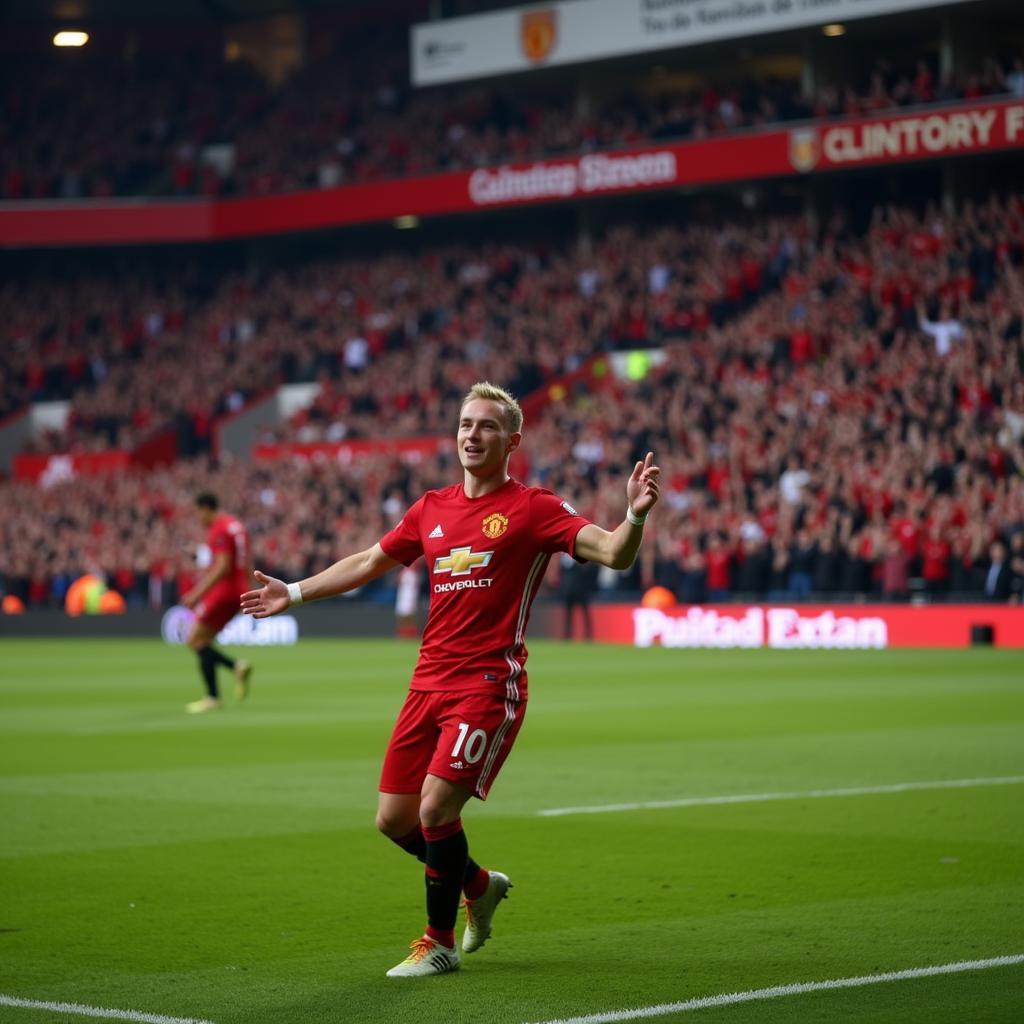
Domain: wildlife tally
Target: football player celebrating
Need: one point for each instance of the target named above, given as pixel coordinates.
(487, 542)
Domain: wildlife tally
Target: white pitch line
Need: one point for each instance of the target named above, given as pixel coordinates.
(98, 1011)
(754, 798)
(777, 991)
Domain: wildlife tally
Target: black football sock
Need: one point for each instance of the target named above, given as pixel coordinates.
(447, 853)
(220, 658)
(415, 844)
(208, 670)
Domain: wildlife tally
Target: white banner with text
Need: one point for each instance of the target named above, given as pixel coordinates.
(524, 38)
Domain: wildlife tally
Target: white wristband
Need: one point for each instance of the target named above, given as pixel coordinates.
(633, 518)
(294, 593)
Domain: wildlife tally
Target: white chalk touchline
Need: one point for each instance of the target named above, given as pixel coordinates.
(777, 991)
(98, 1011)
(753, 798)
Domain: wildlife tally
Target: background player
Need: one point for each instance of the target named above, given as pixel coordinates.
(407, 601)
(487, 542)
(215, 599)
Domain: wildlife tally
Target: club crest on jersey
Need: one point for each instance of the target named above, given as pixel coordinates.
(495, 525)
(462, 561)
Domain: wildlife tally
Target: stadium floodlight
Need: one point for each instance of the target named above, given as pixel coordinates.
(834, 30)
(68, 38)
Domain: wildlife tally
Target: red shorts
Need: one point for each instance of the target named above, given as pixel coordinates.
(217, 613)
(462, 737)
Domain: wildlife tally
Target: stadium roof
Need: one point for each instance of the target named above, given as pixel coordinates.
(159, 10)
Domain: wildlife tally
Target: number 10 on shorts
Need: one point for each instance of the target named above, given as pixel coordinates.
(471, 744)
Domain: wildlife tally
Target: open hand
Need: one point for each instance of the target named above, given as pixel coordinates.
(642, 489)
(270, 599)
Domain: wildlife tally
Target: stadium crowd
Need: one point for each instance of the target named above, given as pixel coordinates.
(835, 412)
(393, 342)
(195, 126)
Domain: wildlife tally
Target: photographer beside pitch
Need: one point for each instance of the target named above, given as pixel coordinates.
(487, 542)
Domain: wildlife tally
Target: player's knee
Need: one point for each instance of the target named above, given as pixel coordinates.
(394, 826)
(435, 812)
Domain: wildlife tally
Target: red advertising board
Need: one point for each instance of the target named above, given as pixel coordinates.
(808, 626)
(48, 470)
(925, 133)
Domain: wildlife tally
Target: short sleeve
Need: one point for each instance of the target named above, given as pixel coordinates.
(404, 543)
(555, 522)
(218, 540)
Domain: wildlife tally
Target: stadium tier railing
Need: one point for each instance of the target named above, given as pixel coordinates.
(47, 469)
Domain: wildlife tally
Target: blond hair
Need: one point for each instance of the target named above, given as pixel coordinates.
(492, 393)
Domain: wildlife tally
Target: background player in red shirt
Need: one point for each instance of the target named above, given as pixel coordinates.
(215, 599)
(487, 542)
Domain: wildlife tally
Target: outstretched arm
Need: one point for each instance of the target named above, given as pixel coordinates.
(218, 571)
(617, 549)
(351, 572)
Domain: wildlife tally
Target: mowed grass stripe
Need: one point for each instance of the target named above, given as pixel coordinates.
(228, 867)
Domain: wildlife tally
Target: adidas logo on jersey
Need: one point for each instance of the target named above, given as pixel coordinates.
(457, 765)
(435, 532)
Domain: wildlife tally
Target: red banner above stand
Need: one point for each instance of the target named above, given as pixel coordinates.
(809, 148)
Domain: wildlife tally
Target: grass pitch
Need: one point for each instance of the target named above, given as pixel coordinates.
(226, 867)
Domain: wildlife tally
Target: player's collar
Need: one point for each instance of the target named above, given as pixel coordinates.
(483, 497)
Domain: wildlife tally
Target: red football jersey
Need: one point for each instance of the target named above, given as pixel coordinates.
(487, 557)
(227, 535)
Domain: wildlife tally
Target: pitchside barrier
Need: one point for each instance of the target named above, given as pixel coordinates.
(780, 626)
(809, 626)
(330, 619)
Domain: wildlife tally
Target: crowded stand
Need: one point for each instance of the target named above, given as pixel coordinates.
(139, 531)
(393, 342)
(201, 126)
(836, 411)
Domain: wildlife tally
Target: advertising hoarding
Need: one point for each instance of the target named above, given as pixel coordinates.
(808, 626)
(808, 148)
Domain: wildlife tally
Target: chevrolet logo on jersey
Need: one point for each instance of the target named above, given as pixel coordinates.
(462, 561)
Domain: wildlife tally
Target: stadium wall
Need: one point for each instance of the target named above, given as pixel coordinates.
(15, 430)
(778, 626)
(331, 619)
(235, 433)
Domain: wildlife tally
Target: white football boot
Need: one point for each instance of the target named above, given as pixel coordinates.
(480, 912)
(427, 957)
(242, 673)
(199, 707)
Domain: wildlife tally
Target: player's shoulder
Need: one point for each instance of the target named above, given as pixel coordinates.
(543, 496)
(517, 494)
(546, 491)
(226, 525)
(450, 493)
